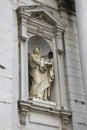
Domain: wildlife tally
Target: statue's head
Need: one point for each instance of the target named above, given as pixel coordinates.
(50, 55)
(37, 50)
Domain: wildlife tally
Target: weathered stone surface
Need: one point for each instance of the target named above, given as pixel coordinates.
(81, 9)
(72, 90)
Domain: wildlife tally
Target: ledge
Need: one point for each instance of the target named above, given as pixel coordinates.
(46, 106)
(38, 105)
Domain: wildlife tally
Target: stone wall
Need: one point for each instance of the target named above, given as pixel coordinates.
(9, 68)
(6, 64)
(9, 60)
(81, 10)
(75, 90)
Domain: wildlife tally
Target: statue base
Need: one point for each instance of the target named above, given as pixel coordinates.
(45, 102)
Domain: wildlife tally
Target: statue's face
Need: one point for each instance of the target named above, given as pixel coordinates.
(37, 50)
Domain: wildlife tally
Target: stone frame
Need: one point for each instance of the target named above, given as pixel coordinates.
(31, 26)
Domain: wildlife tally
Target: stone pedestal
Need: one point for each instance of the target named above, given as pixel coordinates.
(38, 114)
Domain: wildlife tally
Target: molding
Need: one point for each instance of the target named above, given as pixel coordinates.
(40, 20)
(25, 106)
(60, 51)
(39, 28)
(42, 106)
(65, 118)
(41, 12)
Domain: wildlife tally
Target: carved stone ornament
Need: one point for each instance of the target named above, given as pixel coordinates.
(41, 13)
(65, 118)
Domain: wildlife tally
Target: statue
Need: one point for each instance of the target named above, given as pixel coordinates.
(41, 74)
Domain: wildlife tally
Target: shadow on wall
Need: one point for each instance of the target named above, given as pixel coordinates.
(67, 4)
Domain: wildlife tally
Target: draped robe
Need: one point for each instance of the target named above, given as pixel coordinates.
(41, 76)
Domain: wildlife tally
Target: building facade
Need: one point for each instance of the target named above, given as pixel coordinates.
(58, 26)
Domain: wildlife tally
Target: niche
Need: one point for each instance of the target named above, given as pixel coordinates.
(45, 48)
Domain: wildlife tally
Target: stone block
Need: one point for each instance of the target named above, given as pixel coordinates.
(50, 3)
(75, 85)
(44, 120)
(6, 25)
(28, 2)
(5, 84)
(86, 118)
(74, 64)
(79, 118)
(73, 57)
(75, 82)
(5, 124)
(6, 63)
(6, 15)
(72, 43)
(15, 115)
(6, 4)
(39, 127)
(6, 96)
(6, 42)
(15, 20)
(71, 36)
(78, 97)
(74, 72)
(72, 49)
(71, 25)
(15, 2)
(67, 17)
(78, 107)
(76, 90)
(5, 111)
(77, 126)
(6, 73)
(7, 70)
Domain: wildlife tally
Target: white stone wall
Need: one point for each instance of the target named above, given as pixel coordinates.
(75, 89)
(9, 59)
(81, 11)
(6, 60)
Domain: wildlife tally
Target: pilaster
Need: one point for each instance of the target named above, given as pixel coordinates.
(23, 57)
(61, 66)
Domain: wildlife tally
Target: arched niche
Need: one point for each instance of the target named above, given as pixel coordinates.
(45, 49)
(40, 24)
(41, 21)
(39, 41)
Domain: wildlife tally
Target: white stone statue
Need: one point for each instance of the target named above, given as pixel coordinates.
(41, 75)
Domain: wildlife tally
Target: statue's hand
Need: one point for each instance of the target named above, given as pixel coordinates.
(48, 63)
(43, 69)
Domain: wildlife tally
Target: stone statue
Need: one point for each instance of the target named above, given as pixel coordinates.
(41, 74)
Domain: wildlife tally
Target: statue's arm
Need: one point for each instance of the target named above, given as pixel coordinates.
(48, 63)
(35, 59)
